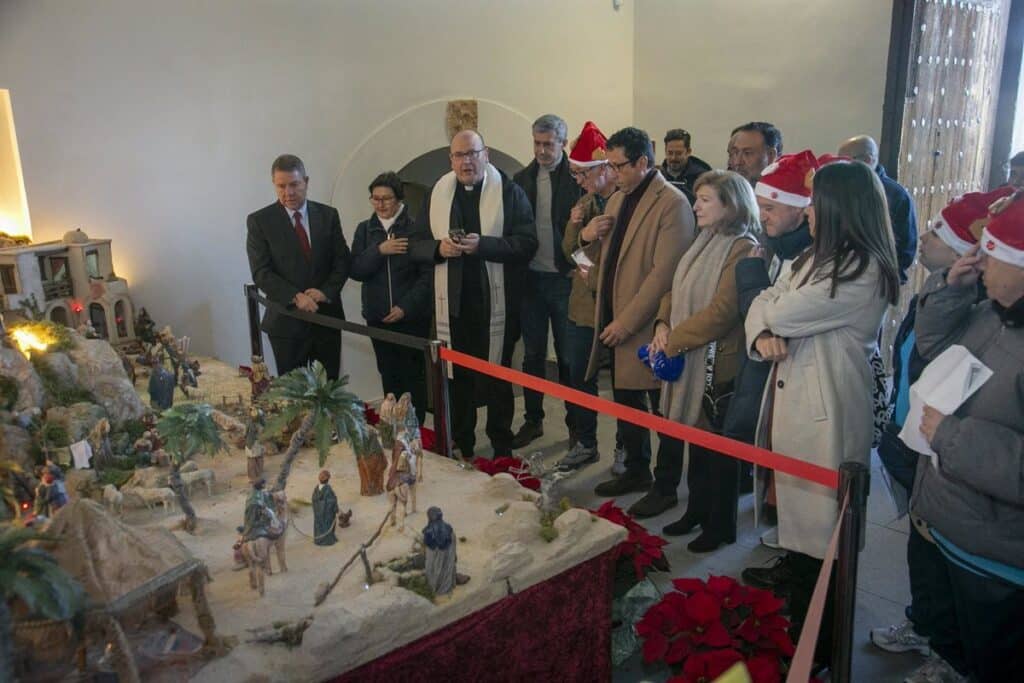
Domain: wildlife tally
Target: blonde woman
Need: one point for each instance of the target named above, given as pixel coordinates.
(699, 319)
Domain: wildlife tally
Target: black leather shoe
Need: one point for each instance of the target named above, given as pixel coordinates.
(529, 432)
(783, 572)
(652, 505)
(707, 542)
(630, 482)
(681, 526)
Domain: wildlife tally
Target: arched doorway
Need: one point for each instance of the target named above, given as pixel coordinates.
(59, 315)
(121, 315)
(98, 318)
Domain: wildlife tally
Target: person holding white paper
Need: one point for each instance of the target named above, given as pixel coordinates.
(972, 503)
(819, 324)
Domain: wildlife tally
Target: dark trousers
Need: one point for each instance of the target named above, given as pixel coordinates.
(713, 481)
(974, 621)
(470, 389)
(583, 422)
(545, 304)
(403, 369)
(635, 439)
(322, 344)
(798, 600)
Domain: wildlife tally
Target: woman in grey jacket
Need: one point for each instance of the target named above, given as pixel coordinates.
(972, 502)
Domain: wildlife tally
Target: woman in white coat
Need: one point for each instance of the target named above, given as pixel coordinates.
(819, 324)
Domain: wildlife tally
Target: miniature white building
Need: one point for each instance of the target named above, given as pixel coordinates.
(73, 282)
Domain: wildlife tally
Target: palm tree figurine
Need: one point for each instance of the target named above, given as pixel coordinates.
(187, 430)
(327, 409)
(30, 575)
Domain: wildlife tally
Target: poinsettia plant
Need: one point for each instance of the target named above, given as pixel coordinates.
(508, 465)
(640, 546)
(702, 628)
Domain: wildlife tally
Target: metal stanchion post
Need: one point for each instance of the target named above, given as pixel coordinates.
(255, 333)
(854, 479)
(437, 375)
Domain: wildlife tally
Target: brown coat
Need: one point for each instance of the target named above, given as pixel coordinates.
(581, 298)
(660, 231)
(720, 320)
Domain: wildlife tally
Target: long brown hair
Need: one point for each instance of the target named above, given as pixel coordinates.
(851, 229)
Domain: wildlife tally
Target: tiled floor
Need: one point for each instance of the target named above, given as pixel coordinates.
(882, 591)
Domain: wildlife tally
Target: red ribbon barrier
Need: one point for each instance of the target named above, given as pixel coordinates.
(714, 442)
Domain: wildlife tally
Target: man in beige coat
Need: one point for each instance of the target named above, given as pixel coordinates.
(646, 227)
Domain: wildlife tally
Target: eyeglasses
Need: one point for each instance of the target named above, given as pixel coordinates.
(584, 172)
(624, 164)
(382, 200)
(471, 154)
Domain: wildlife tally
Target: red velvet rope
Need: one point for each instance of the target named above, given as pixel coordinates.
(715, 442)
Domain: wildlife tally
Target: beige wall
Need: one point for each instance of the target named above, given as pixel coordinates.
(815, 69)
(154, 123)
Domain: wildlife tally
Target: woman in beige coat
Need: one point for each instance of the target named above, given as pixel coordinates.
(819, 324)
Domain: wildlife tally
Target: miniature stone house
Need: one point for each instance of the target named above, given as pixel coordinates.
(72, 281)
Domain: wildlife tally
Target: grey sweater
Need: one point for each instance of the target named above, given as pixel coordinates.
(976, 496)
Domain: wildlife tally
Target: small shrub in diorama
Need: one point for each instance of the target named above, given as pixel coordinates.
(61, 393)
(8, 392)
(55, 337)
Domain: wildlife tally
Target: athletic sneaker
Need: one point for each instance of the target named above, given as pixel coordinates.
(770, 538)
(900, 638)
(619, 461)
(935, 670)
(578, 456)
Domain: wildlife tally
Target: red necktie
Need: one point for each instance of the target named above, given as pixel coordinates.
(300, 232)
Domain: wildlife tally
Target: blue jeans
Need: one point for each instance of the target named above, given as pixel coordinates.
(545, 302)
(584, 421)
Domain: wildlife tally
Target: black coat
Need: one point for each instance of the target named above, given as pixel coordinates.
(565, 192)
(904, 221)
(281, 271)
(514, 249)
(391, 280)
(695, 168)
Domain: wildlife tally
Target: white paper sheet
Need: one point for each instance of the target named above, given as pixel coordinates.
(581, 258)
(945, 384)
(81, 451)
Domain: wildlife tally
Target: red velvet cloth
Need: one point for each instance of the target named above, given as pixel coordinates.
(558, 630)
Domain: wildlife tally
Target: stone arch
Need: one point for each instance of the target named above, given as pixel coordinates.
(124, 318)
(59, 314)
(99, 316)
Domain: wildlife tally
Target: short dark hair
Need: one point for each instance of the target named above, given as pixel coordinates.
(771, 135)
(1017, 159)
(390, 180)
(288, 163)
(677, 134)
(635, 143)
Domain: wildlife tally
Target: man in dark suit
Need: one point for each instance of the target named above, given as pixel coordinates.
(299, 258)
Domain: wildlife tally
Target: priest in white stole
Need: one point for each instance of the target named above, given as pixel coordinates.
(483, 239)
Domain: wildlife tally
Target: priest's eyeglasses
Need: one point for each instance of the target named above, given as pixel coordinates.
(470, 154)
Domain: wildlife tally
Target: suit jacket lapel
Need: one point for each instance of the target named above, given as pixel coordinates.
(640, 213)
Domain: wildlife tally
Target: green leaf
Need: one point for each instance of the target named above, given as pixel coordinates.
(322, 434)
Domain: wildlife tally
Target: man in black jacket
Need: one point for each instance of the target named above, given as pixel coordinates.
(901, 207)
(299, 258)
(483, 237)
(397, 293)
(681, 167)
(552, 192)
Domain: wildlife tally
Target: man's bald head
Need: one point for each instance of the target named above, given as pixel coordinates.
(468, 156)
(862, 148)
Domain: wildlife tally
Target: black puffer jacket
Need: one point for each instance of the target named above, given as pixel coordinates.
(391, 280)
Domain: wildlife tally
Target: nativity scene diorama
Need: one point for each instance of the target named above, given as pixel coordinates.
(191, 519)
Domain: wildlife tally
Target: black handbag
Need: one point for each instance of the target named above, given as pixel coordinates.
(716, 396)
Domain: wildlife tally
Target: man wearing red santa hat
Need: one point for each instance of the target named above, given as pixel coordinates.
(970, 499)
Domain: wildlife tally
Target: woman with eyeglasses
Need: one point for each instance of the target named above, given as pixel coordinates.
(397, 293)
(819, 324)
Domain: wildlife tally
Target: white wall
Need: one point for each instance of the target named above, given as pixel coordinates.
(155, 122)
(815, 69)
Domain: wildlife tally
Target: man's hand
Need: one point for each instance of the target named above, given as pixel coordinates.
(576, 215)
(660, 341)
(598, 227)
(449, 249)
(316, 295)
(965, 272)
(304, 302)
(469, 244)
(770, 347)
(393, 316)
(930, 421)
(395, 246)
(614, 334)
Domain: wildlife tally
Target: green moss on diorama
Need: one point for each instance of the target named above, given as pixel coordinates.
(54, 434)
(134, 429)
(417, 583)
(111, 475)
(547, 525)
(57, 337)
(8, 392)
(58, 391)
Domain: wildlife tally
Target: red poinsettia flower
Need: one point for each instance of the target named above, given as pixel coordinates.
(764, 669)
(513, 466)
(764, 602)
(643, 547)
(372, 418)
(705, 667)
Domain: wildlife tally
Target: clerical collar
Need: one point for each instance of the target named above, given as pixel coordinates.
(475, 187)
